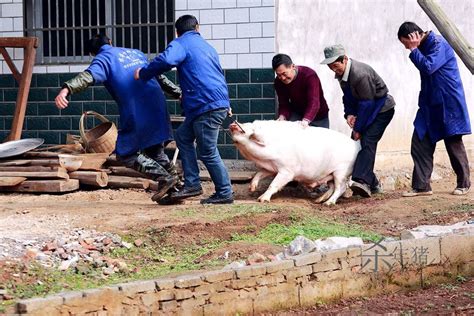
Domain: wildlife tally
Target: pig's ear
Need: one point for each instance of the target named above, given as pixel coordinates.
(256, 139)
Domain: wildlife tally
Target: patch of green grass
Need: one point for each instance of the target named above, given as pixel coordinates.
(278, 234)
(223, 212)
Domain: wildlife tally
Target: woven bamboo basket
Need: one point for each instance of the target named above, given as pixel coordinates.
(100, 139)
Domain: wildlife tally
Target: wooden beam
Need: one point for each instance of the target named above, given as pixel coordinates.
(93, 178)
(19, 42)
(450, 32)
(59, 173)
(29, 162)
(44, 186)
(127, 172)
(16, 74)
(29, 168)
(11, 181)
(30, 45)
(128, 182)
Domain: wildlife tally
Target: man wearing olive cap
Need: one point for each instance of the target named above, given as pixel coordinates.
(368, 109)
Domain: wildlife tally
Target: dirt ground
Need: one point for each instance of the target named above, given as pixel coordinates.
(120, 211)
(26, 216)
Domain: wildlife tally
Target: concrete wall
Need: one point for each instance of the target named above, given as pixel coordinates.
(301, 281)
(242, 31)
(368, 31)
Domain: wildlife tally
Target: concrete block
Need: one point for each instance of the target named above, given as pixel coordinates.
(266, 3)
(184, 12)
(335, 254)
(39, 305)
(224, 31)
(262, 45)
(249, 3)
(6, 24)
(224, 3)
(246, 272)
(239, 46)
(243, 283)
(218, 45)
(325, 265)
(206, 289)
(306, 259)
(224, 297)
(249, 61)
(298, 272)
(333, 275)
(249, 30)
(191, 307)
(137, 287)
(268, 29)
(215, 16)
(150, 300)
(247, 293)
(271, 279)
(236, 15)
(457, 248)
(188, 281)
(239, 306)
(206, 31)
(165, 295)
(262, 14)
(199, 4)
(164, 284)
(18, 24)
(219, 275)
(180, 4)
(279, 266)
(381, 257)
(12, 10)
(168, 306)
(312, 292)
(182, 294)
(420, 252)
(228, 61)
(282, 296)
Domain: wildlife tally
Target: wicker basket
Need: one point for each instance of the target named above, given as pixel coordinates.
(100, 139)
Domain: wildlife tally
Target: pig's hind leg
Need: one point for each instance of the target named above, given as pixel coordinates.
(339, 187)
(262, 174)
(326, 194)
(281, 179)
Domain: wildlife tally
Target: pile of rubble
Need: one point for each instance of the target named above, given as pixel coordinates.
(78, 249)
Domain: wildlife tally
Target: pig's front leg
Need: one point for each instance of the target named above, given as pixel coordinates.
(262, 174)
(281, 179)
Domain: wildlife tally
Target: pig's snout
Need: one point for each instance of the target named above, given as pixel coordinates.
(234, 128)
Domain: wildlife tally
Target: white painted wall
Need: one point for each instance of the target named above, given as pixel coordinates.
(368, 31)
(242, 31)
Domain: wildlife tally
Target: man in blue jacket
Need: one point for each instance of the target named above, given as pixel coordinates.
(442, 112)
(144, 120)
(205, 103)
(368, 109)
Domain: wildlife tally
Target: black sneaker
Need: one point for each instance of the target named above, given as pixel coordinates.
(164, 185)
(186, 192)
(168, 200)
(215, 199)
(360, 189)
(377, 189)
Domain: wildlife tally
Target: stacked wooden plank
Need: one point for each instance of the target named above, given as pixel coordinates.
(45, 172)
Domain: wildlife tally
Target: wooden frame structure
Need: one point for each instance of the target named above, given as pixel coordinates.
(449, 31)
(29, 45)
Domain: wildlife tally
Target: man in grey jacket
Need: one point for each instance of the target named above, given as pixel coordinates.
(368, 109)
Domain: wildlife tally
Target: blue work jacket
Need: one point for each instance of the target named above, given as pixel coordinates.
(442, 105)
(144, 118)
(200, 74)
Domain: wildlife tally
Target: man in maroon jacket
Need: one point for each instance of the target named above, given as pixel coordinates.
(300, 95)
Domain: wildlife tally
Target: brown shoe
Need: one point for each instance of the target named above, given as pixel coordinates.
(360, 189)
(415, 192)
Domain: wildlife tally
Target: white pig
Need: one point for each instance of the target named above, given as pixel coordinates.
(311, 155)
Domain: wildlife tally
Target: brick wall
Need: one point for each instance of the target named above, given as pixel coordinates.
(250, 90)
(300, 281)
